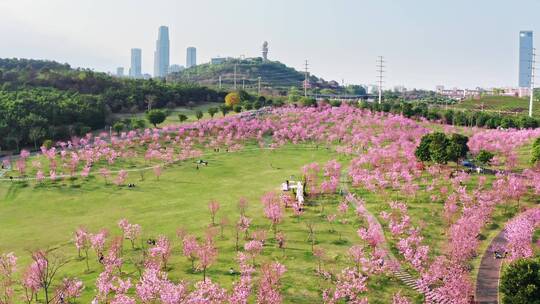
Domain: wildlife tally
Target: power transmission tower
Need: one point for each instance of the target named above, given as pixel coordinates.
(235, 76)
(306, 79)
(531, 97)
(380, 76)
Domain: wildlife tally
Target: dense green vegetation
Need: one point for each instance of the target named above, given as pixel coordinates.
(440, 148)
(454, 117)
(521, 281)
(47, 100)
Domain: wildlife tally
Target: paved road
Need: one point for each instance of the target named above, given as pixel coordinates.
(487, 281)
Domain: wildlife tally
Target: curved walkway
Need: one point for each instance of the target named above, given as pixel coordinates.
(487, 280)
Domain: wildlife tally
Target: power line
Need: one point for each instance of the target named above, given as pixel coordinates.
(380, 70)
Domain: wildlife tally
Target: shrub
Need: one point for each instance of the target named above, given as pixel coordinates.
(119, 127)
(308, 101)
(535, 151)
(520, 282)
(437, 147)
(232, 99)
(484, 157)
(156, 116)
(48, 143)
(199, 114)
(508, 122)
(182, 117)
(335, 103)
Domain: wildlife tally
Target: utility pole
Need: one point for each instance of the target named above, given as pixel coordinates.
(380, 70)
(306, 79)
(243, 83)
(220, 82)
(235, 76)
(259, 90)
(531, 97)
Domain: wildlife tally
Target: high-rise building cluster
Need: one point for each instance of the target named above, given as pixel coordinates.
(162, 66)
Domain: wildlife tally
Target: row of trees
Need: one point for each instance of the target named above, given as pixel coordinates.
(453, 117)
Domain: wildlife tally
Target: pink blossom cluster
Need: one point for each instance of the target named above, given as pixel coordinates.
(130, 231)
(519, 231)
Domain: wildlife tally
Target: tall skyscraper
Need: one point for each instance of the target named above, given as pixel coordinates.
(135, 71)
(161, 55)
(191, 58)
(525, 58)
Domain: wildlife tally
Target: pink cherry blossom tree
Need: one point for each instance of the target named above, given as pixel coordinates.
(213, 207)
(8, 266)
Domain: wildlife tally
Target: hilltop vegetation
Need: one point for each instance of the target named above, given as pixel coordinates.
(48, 100)
(274, 75)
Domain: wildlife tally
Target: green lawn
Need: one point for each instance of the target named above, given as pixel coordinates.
(173, 115)
(46, 216)
(505, 104)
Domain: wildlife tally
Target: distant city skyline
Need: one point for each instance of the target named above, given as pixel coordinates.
(457, 43)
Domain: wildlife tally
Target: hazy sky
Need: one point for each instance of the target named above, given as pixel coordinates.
(464, 43)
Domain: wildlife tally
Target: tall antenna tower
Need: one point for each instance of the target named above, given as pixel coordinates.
(380, 76)
(306, 79)
(531, 97)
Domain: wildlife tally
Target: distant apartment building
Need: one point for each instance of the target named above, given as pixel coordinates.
(400, 89)
(461, 94)
(120, 72)
(162, 53)
(135, 71)
(525, 58)
(175, 68)
(218, 60)
(191, 57)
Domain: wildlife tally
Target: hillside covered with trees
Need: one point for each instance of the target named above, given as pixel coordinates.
(47, 100)
(274, 75)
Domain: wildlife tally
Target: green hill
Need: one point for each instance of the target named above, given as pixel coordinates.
(273, 74)
(42, 100)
